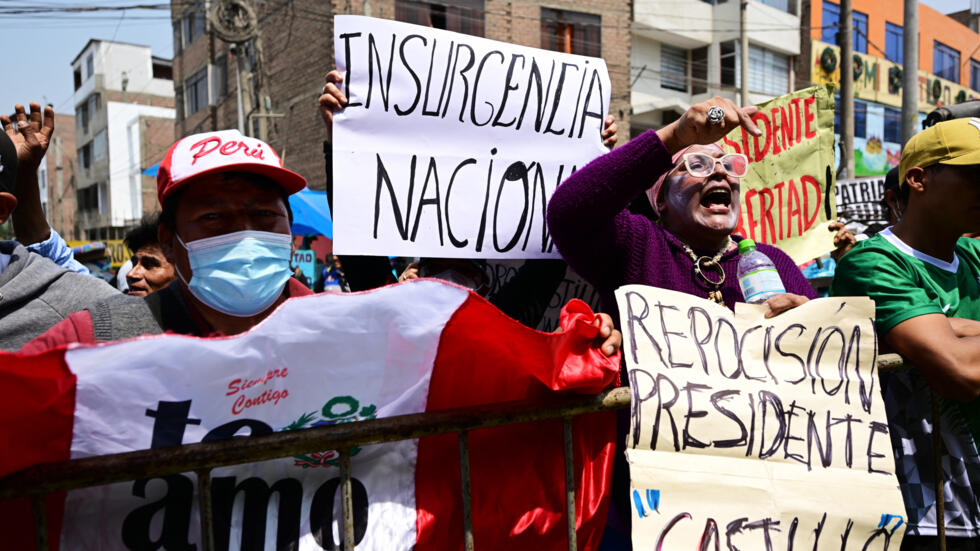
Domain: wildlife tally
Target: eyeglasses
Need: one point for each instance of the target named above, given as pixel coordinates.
(701, 165)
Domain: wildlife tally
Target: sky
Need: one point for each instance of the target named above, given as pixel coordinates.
(38, 48)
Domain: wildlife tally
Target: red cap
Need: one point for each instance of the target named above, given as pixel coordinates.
(216, 152)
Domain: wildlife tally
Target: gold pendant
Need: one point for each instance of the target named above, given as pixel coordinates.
(715, 295)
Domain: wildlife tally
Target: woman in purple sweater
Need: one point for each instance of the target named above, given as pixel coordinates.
(610, 247)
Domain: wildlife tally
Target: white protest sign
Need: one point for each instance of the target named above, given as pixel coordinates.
(754, 433)
(451, 145)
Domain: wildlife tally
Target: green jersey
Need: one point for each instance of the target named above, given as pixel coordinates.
(905, 283)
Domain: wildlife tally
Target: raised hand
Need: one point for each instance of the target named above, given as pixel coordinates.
(331, 100)
(30, 134)
(694, 127)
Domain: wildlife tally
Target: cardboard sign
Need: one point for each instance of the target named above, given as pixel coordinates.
(754, 433)
(788, 194)
(860, 204)
(452, 145)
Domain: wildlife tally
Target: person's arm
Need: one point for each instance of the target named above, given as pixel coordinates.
(587, 214)
(77, 327)
(964, 327)
(948, 362)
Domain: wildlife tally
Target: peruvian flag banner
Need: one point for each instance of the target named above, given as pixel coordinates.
(409, 348)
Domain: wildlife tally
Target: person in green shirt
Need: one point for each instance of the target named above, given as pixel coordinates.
(925, 281)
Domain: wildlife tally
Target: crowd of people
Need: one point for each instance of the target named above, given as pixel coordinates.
(660, 210)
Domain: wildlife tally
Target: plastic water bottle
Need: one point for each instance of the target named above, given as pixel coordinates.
(757, 275)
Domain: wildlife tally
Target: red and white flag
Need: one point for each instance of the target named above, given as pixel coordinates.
(409, 348)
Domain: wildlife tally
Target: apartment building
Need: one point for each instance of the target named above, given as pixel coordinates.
(124, 111)
(949, 68)
(281, 71)
(685, 52)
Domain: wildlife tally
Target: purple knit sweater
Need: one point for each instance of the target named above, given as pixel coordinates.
(610, 247)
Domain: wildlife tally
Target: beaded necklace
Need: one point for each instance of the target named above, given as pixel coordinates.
(703, 263)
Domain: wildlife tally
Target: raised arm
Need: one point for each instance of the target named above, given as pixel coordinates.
(31, 135)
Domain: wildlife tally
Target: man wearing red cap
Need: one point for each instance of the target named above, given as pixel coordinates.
(225, 226)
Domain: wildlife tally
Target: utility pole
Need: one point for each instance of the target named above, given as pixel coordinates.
(846, 38)
(910, 71)
(743, 11)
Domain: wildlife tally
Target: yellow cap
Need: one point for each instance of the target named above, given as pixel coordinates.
(954, 142)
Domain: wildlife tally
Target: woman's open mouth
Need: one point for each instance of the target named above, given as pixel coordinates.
(717, 200)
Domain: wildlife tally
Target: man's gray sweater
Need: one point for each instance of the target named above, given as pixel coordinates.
(36, 293)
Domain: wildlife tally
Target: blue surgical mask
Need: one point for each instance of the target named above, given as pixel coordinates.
(239, 274)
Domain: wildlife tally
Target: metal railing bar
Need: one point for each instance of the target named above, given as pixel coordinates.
(464, 474)
(346, 502)
(204, 504)
(40, 511)
(106, 469)
(570, 484)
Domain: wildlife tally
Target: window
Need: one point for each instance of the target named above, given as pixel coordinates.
(860, 119)
(699, 70)
(673, 68)
(163, 70)
(945, 61)
(893, 125)
(729, 63)
(193, 25)
(571, 32)
(89, 66)
(860, 31)
(99, 147)
(78, 78)
(179, 103)
(88, 198)
(768, 71)
(94, 103)
(462, 16)
(219, 78)
(830, 23)
(81, 117)
(85, 157)
(784, 5)
(894, 43)
(975, 74)
(196, 92)
(831, 27)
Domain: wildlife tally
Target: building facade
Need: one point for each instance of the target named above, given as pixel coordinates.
(685, 52)
(124, 111)
(56, 179)
(281, 70)
(949, 69)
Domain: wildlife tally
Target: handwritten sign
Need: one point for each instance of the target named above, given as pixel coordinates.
(860, 204)
(788, 194)
(451, 144)
(754, 433)
(305, 260)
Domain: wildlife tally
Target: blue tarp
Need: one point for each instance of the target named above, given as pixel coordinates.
(311, 214)
(152, 170)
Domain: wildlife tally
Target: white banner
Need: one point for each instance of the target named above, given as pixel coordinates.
(452, 145)
(754, 433)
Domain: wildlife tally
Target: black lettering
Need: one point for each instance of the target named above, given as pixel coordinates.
(170, 420)
(557, 99)
(436, 201)
(665, 406)
(428, 80)
(847, 419)
(710, 532)
(831, 331)
(486, 203)
(790, 354)
(825, 453)
(594, 81)
(716, 400)
(462, 75)
(636, 321)
(384, 82)
(766, 397)
(765, 525)
(534, 77)
(507, 88)
(517, 171)
(176, 507)
(668, 527)
(476, 85)
(383, 178)
(231, 428)
(690, 441)
(257, 494)
(699, 343)
(418, 83)
(636, 403)
(322, 513)
(721, 364)
(875, 427)
(449, 189)
(790, 414)
(670, 351)
(346, 38)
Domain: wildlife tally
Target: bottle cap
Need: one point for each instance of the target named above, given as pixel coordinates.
(746, 245)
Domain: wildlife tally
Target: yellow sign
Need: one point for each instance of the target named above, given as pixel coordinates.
(755, 433)
(116, 250)
(880, 80)
(788, 193)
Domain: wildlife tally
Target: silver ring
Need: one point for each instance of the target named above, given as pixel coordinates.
(716, 115)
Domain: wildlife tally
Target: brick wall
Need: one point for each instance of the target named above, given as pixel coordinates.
(62, 203)
(156, 137)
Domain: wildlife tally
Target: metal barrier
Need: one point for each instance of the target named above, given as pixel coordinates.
(40, 480)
